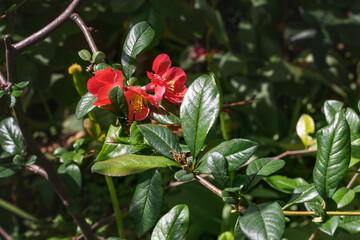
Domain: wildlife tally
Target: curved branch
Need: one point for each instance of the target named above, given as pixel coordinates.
(48, 29)
(78, 20)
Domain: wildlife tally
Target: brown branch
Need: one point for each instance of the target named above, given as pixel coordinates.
(5, 234)
(353, 179)
(37, 170)
(77, 19)
(208, 185)
(2, 79)
(13, 10)
(312, 213)
(296, 152)
(314, 234)
(48, 29)
(231, 105)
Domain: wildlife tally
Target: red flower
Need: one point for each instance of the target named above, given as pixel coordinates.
(167, 81)
(137, 100)
(102, 82)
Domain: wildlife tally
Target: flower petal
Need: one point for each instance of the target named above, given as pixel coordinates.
(142, 92)
(103, 97)
(118, 78)
(93, 86)
(161, 64)
(175, 74)
(159, 92)
(105, 76)
(176, 96)
(142, 113)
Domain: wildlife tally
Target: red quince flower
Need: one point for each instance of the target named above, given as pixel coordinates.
(100, 85)
(167, 81)
(138, 100)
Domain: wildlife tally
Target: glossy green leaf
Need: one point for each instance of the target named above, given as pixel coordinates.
(343, 196)
(331, 108)
(118, 100)
(113, 150)
(355, 152)
(198, 112)
(161, 139)
(261, 168)
(84, 55)
(21, 85)
(285, 184)
(354, 122)
(173, 225)
(236, 151)
(8, 169)
(98, 56)
(238, 233)
(264, 221)
(72, 178)
(330, 226)
(11, 138)
(183, 176)
(304, 126)
(350, 224)
(302, 193)
(85, 105)
(102, 66)
(333, 155)
(131, 164)
(10, 101)
(135, 135)
(147, 201)
(219, 169)
(139, 37)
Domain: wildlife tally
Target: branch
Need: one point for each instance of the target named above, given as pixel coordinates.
(37, 170)
(312, 213)
(353, 179)
(5, 234)
(296, 152)
(7, 13)
(48, 29)
(2, 79)
(77, 19)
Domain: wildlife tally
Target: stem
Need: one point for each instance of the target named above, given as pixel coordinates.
(14, 209)
(312, 213)
(208, 185)
(224, 128)
(296, 152)
(115, 204)
(5, 234)
(77, 19)
(352, 181)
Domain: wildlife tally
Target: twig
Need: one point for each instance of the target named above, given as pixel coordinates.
(2, 79)
(314, 234)
(246, 102)
(353, 179)
(296, 152)
(208, 185)
(48, 29)
(37, 170)
(5, 234)
(312, 213)
(13, 10)
(77, 19)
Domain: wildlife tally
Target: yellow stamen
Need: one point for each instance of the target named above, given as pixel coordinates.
(138, 102)
(171, 85)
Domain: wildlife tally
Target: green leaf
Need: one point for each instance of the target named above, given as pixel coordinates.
(8, 169)
(118, 100)
(135, 135)
(85, 105)
(264, 221)
(238, 233)
(67, 157)
(102, 66)
(333, 155)
(350, 224)
(98, 56)
(219, 169)
(198, 112)
(10, 101)
(183, 176)
(16, 93)
(84, 55)
(331, 107)
(72, 178)
(173, 225)
(113, 150)
(161, 139)
(236, 151)
(354, 122)
(21, 85)
(330, 226)
(343, 197)
(139, 37)
(226, 236)
(31, 160)
(285, 184)
(131, 164)
(302, 193)
(147, 201)
(304, 126)
(261, 168)
(11, 138)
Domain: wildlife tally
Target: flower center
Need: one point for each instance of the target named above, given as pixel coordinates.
(170, 85)
(138, 102)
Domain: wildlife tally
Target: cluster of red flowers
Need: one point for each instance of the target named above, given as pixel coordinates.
(166, 81)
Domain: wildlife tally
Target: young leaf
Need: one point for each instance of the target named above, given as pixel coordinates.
(161, 139)
(333, 155)
(236, 151)
(284, 184)
(173, 225)
(260, 168)
(139, 37)
(219, 169)
(226, 236)
(84, 55)
(304, 126)
(147, 201)
(198, 112)
(131, 164)
(85, 105)
(118, 100)
(11, 138)
(183, 176)
(302, 194)
(98, 56)
(343, 197)
(264, 221)
(331, 107)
